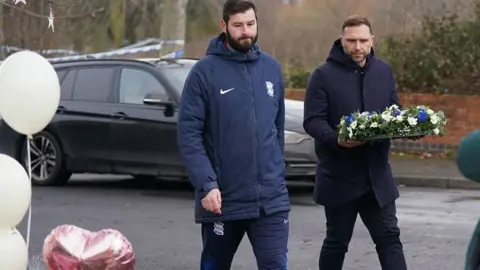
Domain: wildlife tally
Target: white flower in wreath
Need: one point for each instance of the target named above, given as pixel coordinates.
(399, 118)
(434, 119)
(412, 121)
(436, 131)
(374, 125)
(393, 107)
(350, 132)
(387, 116)
(363, 117)
(362, 126)
(430, 112)
(353, 125)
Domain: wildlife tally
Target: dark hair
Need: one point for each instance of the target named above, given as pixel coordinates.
(232, 7)
(356, 20)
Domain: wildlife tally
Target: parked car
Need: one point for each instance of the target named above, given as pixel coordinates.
(119, 116)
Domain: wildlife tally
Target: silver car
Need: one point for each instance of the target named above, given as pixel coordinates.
(300, 158)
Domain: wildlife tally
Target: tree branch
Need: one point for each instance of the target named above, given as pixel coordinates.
(91, 13)
(60, 4)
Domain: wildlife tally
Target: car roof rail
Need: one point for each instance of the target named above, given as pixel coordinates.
(175, 60)
(73, 59)
(90, 58)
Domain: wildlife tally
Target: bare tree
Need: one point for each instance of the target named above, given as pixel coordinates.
(53, 4)
(30, 21)
(202, 22)
(173, 21)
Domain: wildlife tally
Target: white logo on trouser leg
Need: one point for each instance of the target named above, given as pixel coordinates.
(218, 228)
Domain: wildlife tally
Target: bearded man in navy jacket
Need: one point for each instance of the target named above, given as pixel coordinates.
(231, 136)
(353, 178)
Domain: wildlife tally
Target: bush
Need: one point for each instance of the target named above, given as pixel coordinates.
(442, 57)
(296, 75)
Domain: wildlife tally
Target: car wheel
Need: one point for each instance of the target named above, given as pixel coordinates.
(46, 160)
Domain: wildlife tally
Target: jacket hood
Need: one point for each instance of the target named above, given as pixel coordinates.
(218, 47)
(338, 55)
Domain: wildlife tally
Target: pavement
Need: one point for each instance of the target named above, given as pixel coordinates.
(436, 224)
(429, 173)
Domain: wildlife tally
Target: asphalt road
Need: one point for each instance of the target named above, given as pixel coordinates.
(158, 220)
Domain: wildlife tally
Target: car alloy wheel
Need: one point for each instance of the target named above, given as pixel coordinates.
(43, 158)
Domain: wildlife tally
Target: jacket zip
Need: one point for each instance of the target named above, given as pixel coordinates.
(256, 132)
(362, 94)
(362, 76)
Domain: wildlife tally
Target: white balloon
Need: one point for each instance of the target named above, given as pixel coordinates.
(13, 250)
(15, 192)
(0, 71)
(29, 92)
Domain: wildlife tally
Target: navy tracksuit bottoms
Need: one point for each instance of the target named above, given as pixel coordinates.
(267, 234)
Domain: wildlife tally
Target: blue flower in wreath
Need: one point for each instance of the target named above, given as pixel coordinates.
(422, 116)
(397, 112)
(349, 119)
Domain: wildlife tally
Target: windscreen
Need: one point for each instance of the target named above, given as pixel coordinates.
(177, 75)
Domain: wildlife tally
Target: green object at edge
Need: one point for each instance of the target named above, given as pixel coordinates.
(472, 261)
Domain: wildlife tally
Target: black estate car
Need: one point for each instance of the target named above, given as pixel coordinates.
(119, 116)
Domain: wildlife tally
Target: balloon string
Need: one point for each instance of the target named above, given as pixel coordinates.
(29, 162)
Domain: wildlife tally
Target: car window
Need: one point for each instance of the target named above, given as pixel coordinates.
(61, 74)
(93, 84)
(136, 83)
(177, 75)
(67, 85)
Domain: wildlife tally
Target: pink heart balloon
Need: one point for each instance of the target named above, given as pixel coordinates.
(69, 247)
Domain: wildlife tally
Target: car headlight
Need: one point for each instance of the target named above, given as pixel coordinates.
(292, 137)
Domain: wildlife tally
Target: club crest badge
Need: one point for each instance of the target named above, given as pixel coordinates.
(269, 87)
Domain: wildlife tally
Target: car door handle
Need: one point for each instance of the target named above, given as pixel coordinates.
(119, 115)
(61, 109)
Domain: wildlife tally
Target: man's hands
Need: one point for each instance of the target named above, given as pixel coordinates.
(212, 202)
(349, 143)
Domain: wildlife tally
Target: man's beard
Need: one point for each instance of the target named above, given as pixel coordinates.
(243, 44)
(355, 59)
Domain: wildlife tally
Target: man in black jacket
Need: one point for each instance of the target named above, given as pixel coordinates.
(353, 177)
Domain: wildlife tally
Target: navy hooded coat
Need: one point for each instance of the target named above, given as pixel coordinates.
(231, 132)
(337, 88)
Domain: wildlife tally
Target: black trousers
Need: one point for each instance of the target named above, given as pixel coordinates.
(382, 224)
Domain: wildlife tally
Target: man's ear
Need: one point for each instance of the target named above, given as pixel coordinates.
(224, 26)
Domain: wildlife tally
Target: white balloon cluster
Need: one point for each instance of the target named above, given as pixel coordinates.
(29, 98)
